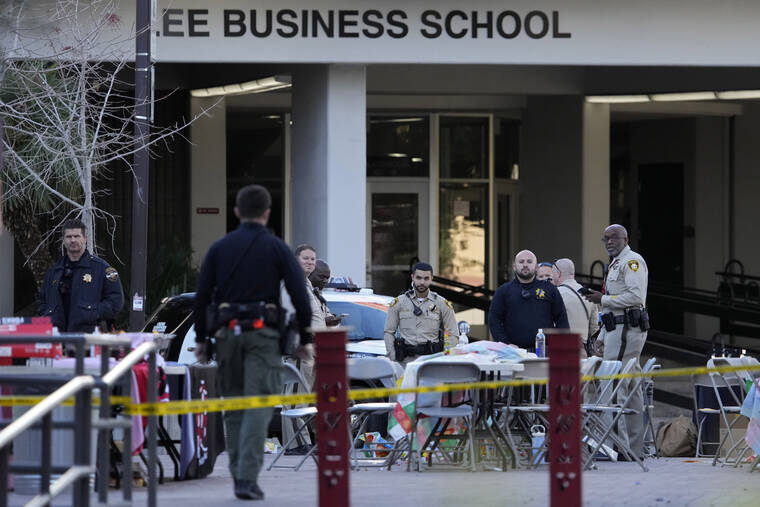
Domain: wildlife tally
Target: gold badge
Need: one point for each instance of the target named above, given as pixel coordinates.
(634, 265)
(540, 294)
(87, 278)
(390, 305)
(448, 303)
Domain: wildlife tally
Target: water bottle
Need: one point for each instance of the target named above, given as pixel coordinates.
(540, 343)
(537, 434)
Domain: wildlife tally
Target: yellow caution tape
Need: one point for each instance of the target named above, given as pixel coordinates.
(250, 402)
(25, 401)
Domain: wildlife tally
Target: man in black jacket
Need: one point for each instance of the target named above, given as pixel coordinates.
(240, 277)
(524, 305)
(80, 290)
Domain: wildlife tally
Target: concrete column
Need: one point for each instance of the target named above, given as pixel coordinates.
(329, 165)
(208, 185)
(596, 182)
(6, 273)
(564, 179)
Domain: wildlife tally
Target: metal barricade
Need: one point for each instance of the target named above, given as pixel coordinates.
(80, 386)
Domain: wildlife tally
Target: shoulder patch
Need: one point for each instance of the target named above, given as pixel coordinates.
(111, 274)
(634, 265)
(395, 300)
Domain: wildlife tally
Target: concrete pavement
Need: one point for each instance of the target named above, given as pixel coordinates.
(670, 481)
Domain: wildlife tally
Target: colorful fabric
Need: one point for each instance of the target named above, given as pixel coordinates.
(751, 409)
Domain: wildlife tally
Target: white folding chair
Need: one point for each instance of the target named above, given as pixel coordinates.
(734, 384)
(597, 392)
(299, 417)
(371, 370)
(436, 373)
(702, 414)
(601, 428)
(526, 415)
(647, 394)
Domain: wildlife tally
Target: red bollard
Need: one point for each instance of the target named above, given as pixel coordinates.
(332, 420)
(564, 418)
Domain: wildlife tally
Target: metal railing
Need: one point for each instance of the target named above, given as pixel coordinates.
(81, 387)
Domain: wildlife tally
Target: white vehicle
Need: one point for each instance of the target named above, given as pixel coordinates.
(364, 311)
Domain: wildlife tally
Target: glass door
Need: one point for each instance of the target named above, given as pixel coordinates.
(398, 225)
(505, 198)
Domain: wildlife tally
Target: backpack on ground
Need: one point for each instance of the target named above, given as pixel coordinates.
(677, 437)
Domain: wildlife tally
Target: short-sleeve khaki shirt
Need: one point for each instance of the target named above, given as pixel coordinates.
(437, 313)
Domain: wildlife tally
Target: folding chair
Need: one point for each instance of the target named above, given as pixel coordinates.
(595, 393)
(599, 429)
(701, 414)
(734, 383)
(372, 370)
(525, 416)
(647, 394)
(521, 416)
(436, 373)
(292, 378)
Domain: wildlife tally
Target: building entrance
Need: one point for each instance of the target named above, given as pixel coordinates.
(398, 225)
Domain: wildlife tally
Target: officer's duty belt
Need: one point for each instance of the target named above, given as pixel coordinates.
(633, 317)
(249, 315)
(404, 349)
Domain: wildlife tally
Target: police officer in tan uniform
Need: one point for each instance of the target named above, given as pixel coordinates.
(624, 320)
(425, 320)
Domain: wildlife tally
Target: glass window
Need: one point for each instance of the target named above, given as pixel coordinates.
(398, 146)
(463, 147)
(463, 232)
(394, 240)
(256, 154)
(364, 320)
(506, 148)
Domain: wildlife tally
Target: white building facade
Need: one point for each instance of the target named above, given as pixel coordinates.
(460, 135)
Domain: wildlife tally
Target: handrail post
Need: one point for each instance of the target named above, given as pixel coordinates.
(79, 367)
(152, 429)
(45, 458)
(126, 448)
(104, 451)
(4, 456)
(83, 423)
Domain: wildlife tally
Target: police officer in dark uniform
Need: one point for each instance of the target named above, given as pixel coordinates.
(523, 306)
(239, 285)
(80, 290)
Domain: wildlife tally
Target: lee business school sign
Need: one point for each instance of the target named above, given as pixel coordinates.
(565, 32)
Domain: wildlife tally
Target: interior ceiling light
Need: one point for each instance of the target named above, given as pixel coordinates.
(395, 120)
(739, 94)
(617, 99)
(266, 84)
(397, 155)
(681, 97)
(674, 97)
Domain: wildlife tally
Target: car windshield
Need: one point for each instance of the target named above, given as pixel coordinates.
(366, 319)
(173, 317)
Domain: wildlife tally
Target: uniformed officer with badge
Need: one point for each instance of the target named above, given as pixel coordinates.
(625, 320)
(425, 320)
(80, 290)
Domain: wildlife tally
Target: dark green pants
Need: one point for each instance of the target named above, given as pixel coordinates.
(249, 364)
